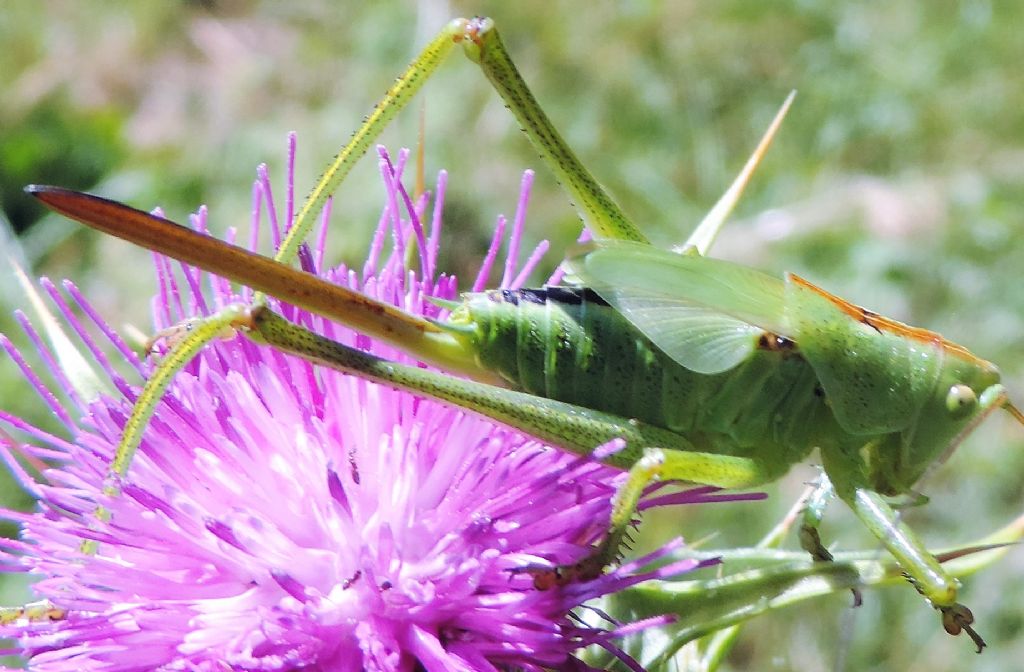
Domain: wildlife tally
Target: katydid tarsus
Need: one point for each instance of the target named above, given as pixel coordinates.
(730, 376)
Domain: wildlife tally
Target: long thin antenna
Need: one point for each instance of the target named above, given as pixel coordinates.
(1014, 411)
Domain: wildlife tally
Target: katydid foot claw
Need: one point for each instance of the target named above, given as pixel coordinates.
(958, 618)
(588, 568)
(810, 541)
(175, 334)
(169, 335)
(547, 578)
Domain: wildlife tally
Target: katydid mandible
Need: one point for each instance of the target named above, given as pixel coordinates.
(731, 375)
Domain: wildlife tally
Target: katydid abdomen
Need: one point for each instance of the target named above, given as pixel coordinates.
(568, 344)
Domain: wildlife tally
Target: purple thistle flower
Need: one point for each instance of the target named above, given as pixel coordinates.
(282, 517)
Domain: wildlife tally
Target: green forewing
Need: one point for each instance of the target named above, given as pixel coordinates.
(706, 314)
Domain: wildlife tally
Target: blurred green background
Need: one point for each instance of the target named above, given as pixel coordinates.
(897, 182)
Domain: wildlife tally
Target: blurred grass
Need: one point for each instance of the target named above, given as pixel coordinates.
(896, 182)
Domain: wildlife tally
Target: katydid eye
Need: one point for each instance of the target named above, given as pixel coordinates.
(960, 398)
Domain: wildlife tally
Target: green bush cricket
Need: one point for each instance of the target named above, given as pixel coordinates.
(733, 375)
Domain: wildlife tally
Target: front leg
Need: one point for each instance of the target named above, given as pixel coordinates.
(919, 566)
(811, 517)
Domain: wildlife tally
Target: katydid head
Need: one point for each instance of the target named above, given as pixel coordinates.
(966, 392)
